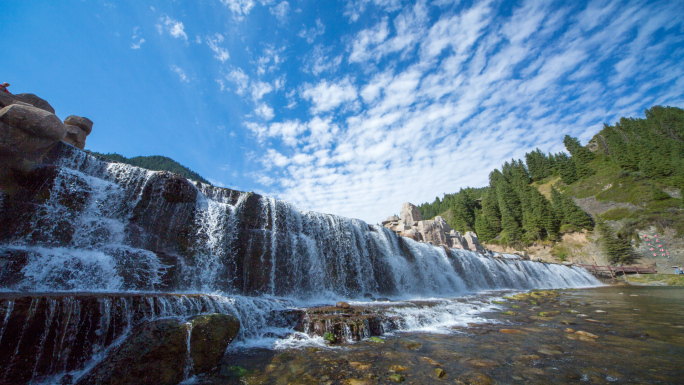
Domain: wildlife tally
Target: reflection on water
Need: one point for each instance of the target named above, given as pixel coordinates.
(618, 334)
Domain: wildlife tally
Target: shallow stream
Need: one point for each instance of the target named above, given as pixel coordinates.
(615, 334)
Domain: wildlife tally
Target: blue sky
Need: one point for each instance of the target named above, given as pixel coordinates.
(348, 107)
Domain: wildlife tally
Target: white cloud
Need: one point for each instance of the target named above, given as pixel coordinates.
(320, 60)
(175, 28)
(180, 73)
(326, 96)
(361, 49)
(220, 52)
(259, 89)
(240, 79)
(137, 40)
(483, 89)
(354, 8)
(270, 59)
(280, 11)
(240, 8)
(264, 111)
(311, 33)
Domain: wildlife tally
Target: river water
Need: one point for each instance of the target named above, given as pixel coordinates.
(613, 334)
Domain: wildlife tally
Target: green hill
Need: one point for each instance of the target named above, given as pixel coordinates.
(629, 177)
(156, 163)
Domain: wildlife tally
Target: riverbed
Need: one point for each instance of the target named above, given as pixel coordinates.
(612, 334)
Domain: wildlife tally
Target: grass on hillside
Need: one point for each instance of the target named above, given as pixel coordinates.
(616, 214)
(666, 279)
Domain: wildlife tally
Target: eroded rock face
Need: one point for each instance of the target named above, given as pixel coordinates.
(410, 213)
(166, 351)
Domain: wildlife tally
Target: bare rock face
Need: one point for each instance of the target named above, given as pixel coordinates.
(410, 213)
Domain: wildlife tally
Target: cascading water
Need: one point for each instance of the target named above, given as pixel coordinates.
(97, 226)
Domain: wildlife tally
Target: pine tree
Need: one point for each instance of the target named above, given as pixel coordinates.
(579, 153)
(618, 249)
(463, 211)
(566, 168)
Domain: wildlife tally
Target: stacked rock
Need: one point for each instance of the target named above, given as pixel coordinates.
(29, 128)
(434, 231)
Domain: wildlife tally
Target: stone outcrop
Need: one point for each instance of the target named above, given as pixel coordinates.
(434, 231)
(30, 99)
(29, 128)
(166, 351)
(410, 213)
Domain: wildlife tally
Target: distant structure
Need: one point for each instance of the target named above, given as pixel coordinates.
(435, 231)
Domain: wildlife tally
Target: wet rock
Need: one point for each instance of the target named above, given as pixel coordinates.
(440, 373)
(211, 334)
(396, 378)
(359, 365)
(354, 381)
(511, 331)
(586, 334)
(157, 352)
(568, 330)
(411, 345)
(475, 378)
(527, 357)
(430, 361)
(398, 368)
(376, 340)
(552, 313)
(481, 363)
(511, 313)
(343, 305)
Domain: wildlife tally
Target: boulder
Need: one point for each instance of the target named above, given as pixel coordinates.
(211, 334)
(75, 137)
(84, 124)
(26, 135)
(31, 99)
(443, 225)
(473, 243)
(157, 352)
(34, 121)
(410, 213)
(411, 233)
(432, 232)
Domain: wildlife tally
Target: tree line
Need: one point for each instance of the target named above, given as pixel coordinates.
(511, 210)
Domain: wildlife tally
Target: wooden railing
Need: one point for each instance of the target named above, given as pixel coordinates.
(596, 269)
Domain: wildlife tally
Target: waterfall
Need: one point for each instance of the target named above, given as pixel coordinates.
(110, 227)
(145, 245)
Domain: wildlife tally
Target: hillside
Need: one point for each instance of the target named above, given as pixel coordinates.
(156, 163)
(595, 204)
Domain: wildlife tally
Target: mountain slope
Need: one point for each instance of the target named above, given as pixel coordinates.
(156, 163)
